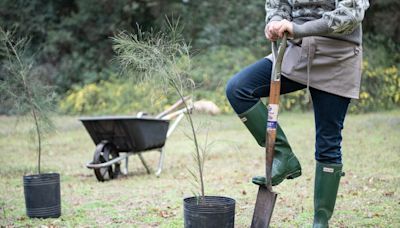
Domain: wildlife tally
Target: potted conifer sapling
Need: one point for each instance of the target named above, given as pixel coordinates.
(22, 89)
(164, 58)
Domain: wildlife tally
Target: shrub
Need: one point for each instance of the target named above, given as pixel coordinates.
(115, 96)
(380, 89)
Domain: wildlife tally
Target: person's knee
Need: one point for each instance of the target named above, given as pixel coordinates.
(231, 88)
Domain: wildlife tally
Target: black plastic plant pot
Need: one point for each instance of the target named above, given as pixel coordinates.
(42, 195)
(211, 212)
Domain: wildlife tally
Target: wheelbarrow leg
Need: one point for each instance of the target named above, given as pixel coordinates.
(160, 162)
(144, 163)
(126, 165)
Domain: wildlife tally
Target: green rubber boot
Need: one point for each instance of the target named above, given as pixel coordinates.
(285, 164)
(327, 177)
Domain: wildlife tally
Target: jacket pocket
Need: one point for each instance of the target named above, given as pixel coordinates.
(341, 52)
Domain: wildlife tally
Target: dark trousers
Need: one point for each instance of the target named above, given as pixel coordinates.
(246, 88)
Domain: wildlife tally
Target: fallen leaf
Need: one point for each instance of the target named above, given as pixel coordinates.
(164, 214)
(371, 180)
(388, 194)
(372, 215)
(354, 193)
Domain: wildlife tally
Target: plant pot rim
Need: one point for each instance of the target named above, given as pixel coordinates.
(209, 196)
(209, 201)
(41, 179)
(42, 175)
(211, 205)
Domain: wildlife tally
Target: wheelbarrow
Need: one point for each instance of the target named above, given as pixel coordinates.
(118, 137)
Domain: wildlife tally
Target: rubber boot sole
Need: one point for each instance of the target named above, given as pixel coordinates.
(289, 176)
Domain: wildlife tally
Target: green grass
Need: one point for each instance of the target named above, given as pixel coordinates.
(368, 196)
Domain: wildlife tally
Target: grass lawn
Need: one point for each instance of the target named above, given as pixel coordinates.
(369, 194)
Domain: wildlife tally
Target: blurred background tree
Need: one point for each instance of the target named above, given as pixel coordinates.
(76, 56)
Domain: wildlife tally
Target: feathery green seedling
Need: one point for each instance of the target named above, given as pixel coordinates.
(21, 87)
(164, 59)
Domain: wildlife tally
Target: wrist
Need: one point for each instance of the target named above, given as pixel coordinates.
(274, 18)
(311, 28)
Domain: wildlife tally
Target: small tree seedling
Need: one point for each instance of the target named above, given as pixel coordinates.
(21, 88)
(162, 58)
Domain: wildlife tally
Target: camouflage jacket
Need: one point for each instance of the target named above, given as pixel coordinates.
(339, 19)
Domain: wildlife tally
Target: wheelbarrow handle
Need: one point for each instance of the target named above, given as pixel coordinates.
(173, 107)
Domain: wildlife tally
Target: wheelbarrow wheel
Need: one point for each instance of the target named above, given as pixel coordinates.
(104, 153)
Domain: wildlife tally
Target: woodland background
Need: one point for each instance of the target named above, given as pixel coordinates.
(72, 48)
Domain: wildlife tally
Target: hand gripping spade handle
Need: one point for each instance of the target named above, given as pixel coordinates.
(266, 198)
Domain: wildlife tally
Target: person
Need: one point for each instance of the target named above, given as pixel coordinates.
(324, 55)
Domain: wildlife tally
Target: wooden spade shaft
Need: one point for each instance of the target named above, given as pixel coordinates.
(271, 129)
(266, 198)
(273, 107)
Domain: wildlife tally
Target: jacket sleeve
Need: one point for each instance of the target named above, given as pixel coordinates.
(346, 17)
(277, 10)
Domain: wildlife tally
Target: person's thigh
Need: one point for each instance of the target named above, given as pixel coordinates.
(329, 113)
(253, 82)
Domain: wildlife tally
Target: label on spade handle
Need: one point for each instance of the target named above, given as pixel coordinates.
(272, 122)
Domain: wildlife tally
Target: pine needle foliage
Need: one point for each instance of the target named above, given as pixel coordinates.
(163, 58)
(21, 87)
